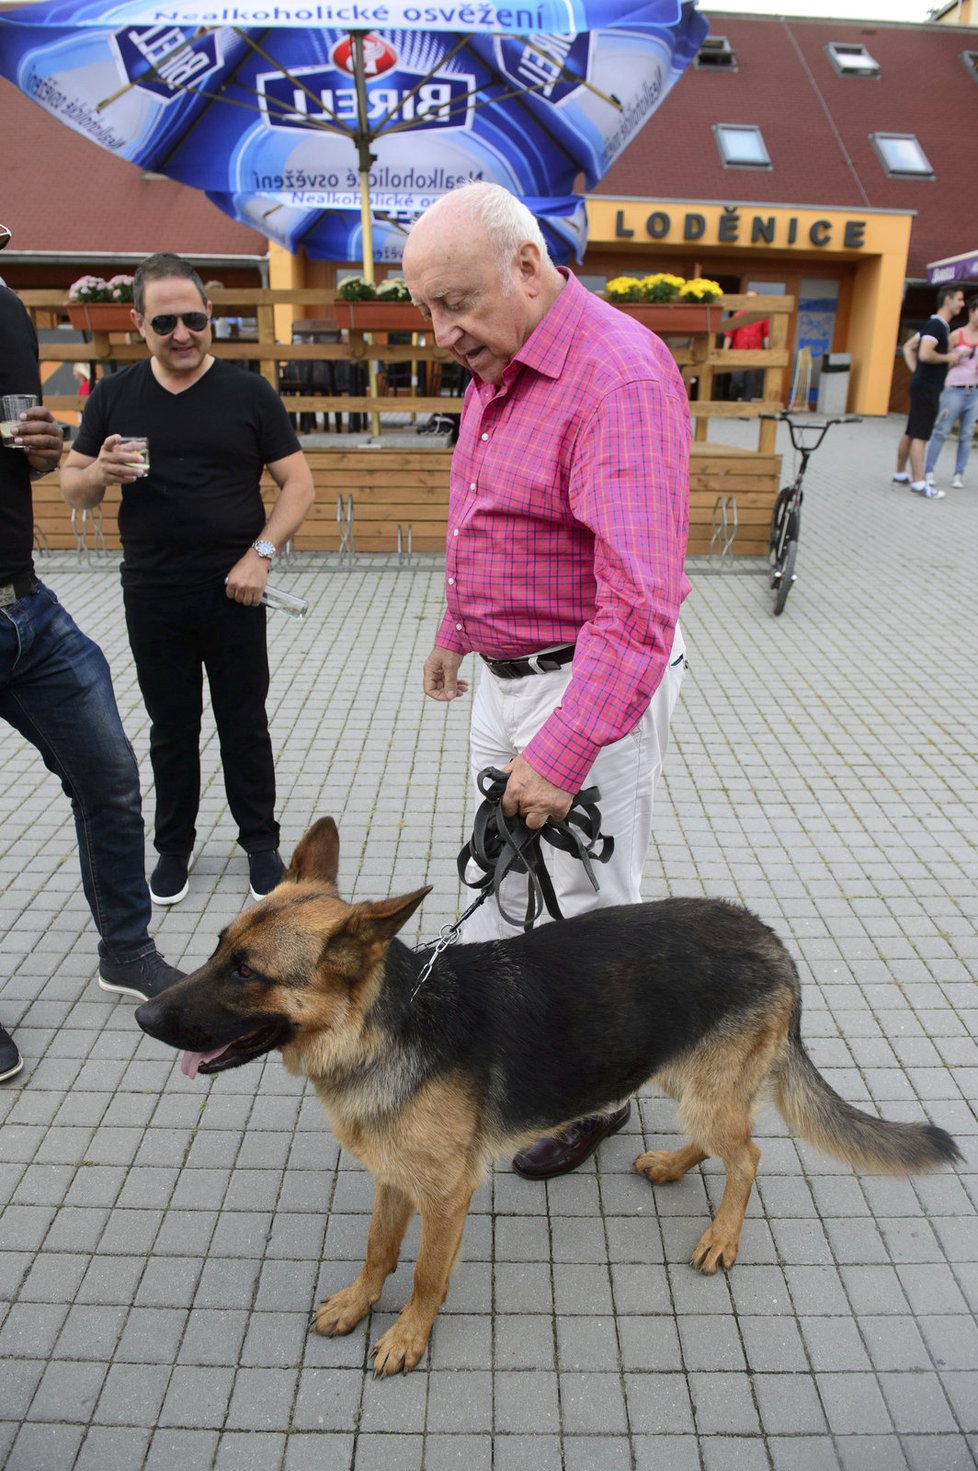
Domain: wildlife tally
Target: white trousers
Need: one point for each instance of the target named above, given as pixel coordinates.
(506, 714)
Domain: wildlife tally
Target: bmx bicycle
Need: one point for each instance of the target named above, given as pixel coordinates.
(786, 517)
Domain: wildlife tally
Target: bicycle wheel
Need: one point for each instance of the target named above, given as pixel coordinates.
(778, 526)
(784, 577)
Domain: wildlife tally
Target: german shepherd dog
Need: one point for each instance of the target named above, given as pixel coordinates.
(506, 1041)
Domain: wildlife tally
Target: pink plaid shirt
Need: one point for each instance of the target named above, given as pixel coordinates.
(568, 518)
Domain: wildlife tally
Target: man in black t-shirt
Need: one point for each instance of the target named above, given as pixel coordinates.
(928, 356)
(196, 551)
(56, 690)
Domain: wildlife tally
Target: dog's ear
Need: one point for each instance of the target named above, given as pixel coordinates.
(317, 855)
(382, 921)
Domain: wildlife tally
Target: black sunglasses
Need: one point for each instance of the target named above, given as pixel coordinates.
(166, 323)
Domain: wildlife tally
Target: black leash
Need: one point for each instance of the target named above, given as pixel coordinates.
(500, 845)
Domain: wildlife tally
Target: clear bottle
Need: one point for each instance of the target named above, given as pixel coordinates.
(284, 602)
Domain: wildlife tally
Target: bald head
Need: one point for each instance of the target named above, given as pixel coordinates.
(477, 266)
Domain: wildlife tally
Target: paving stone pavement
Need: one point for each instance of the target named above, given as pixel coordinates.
(162, 1241)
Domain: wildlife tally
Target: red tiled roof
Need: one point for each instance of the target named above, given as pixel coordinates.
(816, 126)
(59, 192)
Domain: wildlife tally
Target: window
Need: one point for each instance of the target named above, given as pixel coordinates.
(741, 146)
(901, 156)
(852, 61)
(717, 52)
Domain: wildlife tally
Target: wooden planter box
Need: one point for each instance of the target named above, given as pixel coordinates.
(378, 316)
(101, 316)
(673, 316)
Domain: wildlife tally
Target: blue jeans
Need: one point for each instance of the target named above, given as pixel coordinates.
(55, 688)
(956, 403)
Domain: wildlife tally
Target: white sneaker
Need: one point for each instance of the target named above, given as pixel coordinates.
(929, 477)
(932, 492)
(957, 482)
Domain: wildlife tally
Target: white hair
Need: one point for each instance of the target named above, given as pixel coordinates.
(506, 221)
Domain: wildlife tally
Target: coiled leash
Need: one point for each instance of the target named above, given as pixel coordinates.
(502, 845)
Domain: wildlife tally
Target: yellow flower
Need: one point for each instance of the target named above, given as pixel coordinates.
(700, 288)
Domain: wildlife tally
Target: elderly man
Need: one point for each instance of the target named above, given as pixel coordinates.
(197, 547)
(56, 690)
(566, 537)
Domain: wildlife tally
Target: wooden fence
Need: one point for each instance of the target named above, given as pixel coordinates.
(400, 495)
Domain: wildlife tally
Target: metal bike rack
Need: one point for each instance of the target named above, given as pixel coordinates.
(724, 529)
(405, 546)
(81, 520)
(344, 523)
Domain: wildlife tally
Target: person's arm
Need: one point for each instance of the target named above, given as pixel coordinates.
(40, 436)
(630, 488)
(928, 353)
(909, 350)
(247, 578)
(85, 478)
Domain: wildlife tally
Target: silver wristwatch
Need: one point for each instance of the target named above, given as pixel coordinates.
(266, 549)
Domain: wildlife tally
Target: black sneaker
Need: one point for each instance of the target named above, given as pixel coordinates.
(11, 1061)
(143, 978)
(265, 872)
(168, 884)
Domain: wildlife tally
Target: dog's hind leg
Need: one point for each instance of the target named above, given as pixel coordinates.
(342, 1311)
(442, 1223)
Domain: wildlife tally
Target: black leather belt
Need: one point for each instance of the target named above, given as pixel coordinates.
(12, 592)
(545, 662)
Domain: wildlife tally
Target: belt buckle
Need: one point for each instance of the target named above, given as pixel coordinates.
(533, 660)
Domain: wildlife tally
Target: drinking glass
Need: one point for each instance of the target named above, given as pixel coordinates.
(140, 444)
(12, 406)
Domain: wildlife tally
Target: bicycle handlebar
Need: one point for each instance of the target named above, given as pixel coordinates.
(800, 426)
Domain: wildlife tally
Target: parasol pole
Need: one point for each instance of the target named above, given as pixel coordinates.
(365, 159)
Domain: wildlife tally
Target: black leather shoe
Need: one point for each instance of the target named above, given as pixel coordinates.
(559, 1154)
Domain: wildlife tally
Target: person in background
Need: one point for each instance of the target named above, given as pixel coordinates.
(928, 355)
(197, 545)
(567, 530)
(959, 401)
(56, 691)
(746, 384)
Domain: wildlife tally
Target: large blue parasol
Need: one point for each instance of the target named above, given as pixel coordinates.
(311, 131)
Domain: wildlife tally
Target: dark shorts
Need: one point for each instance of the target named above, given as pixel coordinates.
(924, 403)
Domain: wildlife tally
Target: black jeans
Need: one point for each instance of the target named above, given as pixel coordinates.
(175, 636)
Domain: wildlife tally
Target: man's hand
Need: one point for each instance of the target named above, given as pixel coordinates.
(41, 436)
(247, 578)
(117, 464)
(441, 681)
(532, 796)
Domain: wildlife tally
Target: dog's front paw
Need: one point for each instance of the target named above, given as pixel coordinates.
(401, 1347)
(342, 1312)
(715, 1249)
(658, 1167)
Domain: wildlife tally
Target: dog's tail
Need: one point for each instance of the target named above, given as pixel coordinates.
(814, 1110)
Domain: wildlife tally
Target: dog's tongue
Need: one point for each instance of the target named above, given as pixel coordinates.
(191, 1061)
